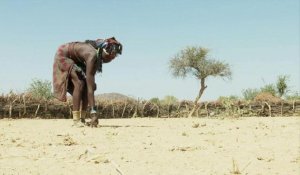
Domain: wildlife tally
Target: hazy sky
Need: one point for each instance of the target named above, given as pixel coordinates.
(258, 38)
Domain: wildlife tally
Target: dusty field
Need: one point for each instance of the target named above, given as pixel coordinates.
(151, 146)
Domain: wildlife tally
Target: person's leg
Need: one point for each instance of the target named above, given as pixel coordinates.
(77, 97)
(84, 107)
(84, 104)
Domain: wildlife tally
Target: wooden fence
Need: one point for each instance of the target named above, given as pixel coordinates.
(22, 106)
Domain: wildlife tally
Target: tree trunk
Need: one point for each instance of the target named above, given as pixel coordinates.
(197, 111)
(196, 106)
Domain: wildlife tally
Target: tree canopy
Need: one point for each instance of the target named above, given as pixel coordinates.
(195, 61)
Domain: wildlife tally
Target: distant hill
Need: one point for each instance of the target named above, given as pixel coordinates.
(112, 96)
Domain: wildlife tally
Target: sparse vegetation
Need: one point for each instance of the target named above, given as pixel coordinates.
(281, 85)
(229, 104)
(169, 100)
(155, 100)
(249, 94)
(269, 88)
(40, 89)
(38, 99)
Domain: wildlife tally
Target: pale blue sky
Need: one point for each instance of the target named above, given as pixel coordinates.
(258, 38)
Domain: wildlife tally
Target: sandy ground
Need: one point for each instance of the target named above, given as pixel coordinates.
(151, 146)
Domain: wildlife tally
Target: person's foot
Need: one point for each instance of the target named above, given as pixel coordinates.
(77, 124)
(82, 120)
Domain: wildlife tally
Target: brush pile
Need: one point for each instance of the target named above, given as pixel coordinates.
(25, 106)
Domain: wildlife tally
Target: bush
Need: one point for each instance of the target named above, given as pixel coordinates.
(281, 85)
(40, 89)
(169, 100)
(269, 88)
(250, 94)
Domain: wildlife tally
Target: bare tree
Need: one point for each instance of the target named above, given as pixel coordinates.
(194, 61)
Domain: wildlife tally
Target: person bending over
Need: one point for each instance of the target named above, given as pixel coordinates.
(74, 69)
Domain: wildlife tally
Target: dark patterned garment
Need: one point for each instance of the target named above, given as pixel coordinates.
(62, 67)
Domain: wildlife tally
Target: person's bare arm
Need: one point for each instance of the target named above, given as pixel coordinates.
(90, 79)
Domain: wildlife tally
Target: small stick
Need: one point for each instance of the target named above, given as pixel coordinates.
(246, 166)
(117, 168)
